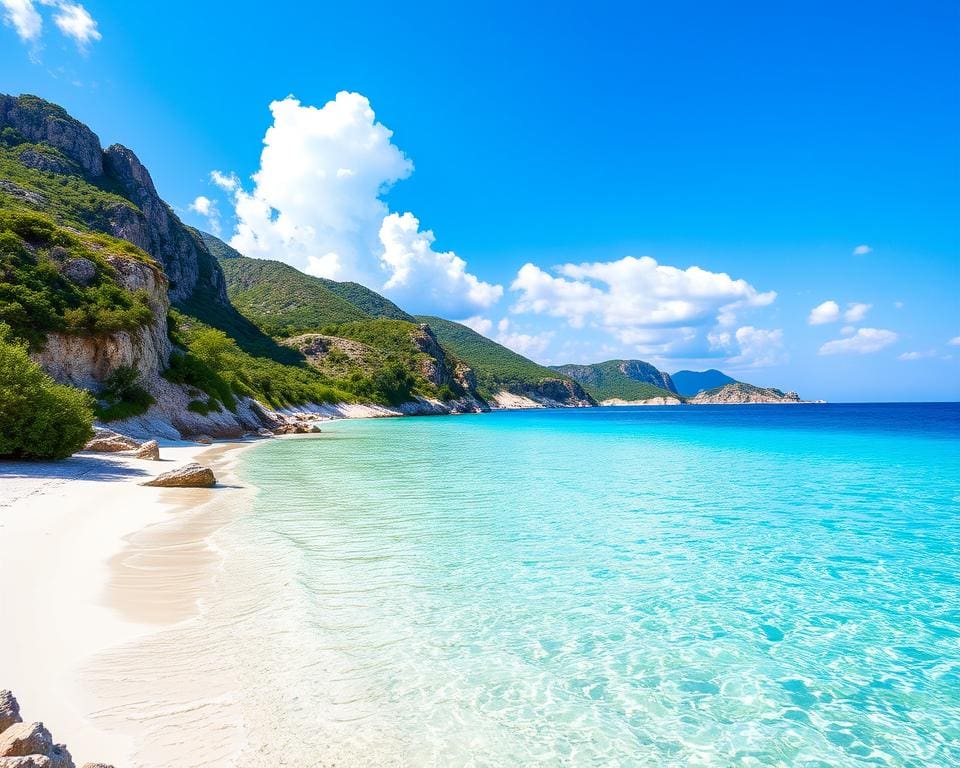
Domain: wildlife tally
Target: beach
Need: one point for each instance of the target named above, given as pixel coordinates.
(92, 561)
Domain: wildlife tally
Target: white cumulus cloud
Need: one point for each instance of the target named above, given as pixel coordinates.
(864, 341)
(204, 206)
(420, 274)
(316, 203)
(828, 312)
(862, 250)
(653, 308)
(954, 342)
(856, 311)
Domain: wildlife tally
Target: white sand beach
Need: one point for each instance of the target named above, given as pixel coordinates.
(92, 560)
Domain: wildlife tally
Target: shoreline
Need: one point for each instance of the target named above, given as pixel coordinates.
(89, 569)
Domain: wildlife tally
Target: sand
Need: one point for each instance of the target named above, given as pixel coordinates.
(91, 560)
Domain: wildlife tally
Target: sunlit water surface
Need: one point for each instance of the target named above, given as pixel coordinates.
(622, 586)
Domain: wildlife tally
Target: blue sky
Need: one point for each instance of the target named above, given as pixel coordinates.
(764, 142)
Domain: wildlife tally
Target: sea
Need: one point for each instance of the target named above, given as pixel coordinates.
(629, 586)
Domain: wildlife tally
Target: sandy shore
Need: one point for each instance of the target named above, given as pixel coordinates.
(92, 560)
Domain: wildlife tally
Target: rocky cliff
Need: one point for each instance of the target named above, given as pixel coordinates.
(625, 380)
(36, 125)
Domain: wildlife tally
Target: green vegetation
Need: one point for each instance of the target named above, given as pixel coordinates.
(618, 379)
(286, 301)
(39, 419)
(36, 296)
(122, 396)
(215, 365)
(281, 300)
(62, 193)
(495, 366)
(370, 302)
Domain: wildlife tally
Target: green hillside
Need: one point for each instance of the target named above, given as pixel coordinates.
(620, 379)
(495, 366)
(282, 300)
(370, 302)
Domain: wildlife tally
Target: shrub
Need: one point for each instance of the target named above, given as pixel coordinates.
(39, 419)
(123, 396)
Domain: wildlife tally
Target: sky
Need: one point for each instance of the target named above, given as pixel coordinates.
(768, 189)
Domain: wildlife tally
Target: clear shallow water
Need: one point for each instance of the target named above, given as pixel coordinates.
(620, 586)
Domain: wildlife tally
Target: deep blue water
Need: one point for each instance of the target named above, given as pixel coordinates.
(728, 585)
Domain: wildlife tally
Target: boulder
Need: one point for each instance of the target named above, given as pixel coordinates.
(22, 739)
(148, 450)
(188, 476)
(264, 432)
(202, 439)
(9, 710)
(96, 765)
(33, 741)
(108, 441)
(80, 271)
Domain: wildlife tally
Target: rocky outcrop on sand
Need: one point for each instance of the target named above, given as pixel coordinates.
(188, 476)
(30, 745)
(149, 450)
(108, 441)
(743, 394)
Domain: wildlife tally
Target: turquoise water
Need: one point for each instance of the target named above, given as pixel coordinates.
(619, 586)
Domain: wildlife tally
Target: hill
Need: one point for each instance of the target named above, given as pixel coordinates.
(281, 300)
(688, 383)
(367, 300)
(628, 380)
(498, 369)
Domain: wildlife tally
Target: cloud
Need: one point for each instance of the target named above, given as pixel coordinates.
(751, 347)
(898, 304)
(828, 312)
(481, 325)
(864, 341)
(656, 309)
(856, 312)
(421, 274)
(72, 19)
(917, 355)
(204, 206)
(23, 17)
(862, 250)
(316, 203)
(954, 342)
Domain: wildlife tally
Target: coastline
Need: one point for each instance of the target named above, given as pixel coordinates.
(89, 559)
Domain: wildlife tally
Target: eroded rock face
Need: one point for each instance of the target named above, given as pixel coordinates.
(741, 393)
(9, 710)
(27, 761)
(185, 258)
(189, 476)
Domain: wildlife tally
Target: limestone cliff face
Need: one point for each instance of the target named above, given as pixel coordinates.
(88, 361)
(554, 393)
(151, 226)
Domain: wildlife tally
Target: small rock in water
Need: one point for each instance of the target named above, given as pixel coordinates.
(149, 450)
(189, 476)
(9, 710)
